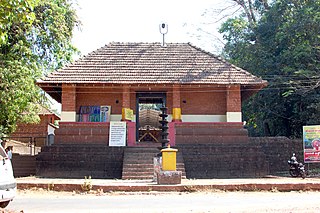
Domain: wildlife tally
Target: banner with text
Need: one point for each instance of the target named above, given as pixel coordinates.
(311, 144)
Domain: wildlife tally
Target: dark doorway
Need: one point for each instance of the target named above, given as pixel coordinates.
(147, 116)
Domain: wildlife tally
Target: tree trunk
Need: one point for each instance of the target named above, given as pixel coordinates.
(248, 10)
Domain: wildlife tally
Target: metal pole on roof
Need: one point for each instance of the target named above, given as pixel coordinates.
(163, 44)
(163, 30)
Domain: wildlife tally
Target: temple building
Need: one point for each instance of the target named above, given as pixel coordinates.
(106, 85)
(131, 81)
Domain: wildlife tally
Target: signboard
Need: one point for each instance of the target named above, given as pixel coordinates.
(117, 133)
(311, 144)
(128, 114)
(105, 113)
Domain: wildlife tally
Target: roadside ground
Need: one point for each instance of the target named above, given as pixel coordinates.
(270, 183)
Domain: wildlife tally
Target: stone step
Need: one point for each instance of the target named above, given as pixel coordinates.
(141, 158)
(136, 174)
(138, 165)
(146, 160)
(147, 165)
(142, 170)
(137, 162)
(143, 177)
(137, 177)
(136, 169)
(142, 174)
(146, 156)
(142, 149)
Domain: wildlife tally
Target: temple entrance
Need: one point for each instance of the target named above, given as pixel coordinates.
(147, 116)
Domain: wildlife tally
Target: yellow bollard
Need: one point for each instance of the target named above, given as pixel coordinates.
(169, 159)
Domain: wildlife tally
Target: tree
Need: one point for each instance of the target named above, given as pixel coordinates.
(283, 48)
(35, 36)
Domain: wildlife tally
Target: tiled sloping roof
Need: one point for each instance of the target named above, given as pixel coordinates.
(139, 63)
(42, 110)
(45, 111)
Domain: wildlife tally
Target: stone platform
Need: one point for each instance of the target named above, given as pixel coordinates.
(169, 177)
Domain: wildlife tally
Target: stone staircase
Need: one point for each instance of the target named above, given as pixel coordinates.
(138, 163)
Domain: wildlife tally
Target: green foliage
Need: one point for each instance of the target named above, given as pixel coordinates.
(18, 95)
(13, 14)
(35, 37)
(52, 33)
(282, 48)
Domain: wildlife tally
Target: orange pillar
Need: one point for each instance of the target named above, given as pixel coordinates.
(127, 115)
(176, 109)
(234, 103)
(68, 101)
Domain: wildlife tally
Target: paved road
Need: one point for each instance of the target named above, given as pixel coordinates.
(42, 201)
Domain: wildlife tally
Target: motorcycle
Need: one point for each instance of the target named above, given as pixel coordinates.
(295, 168)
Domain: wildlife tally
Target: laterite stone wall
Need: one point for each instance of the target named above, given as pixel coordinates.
(82, 133)
(258, 157)
(223, 160)
(80, 160)
(279, 150)
(26, 132)
(210, 133)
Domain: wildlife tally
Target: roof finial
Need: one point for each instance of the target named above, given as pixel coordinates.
(163, 30)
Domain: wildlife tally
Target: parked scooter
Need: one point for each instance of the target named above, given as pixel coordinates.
(296, 168)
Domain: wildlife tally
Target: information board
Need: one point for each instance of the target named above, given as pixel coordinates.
(117, 133)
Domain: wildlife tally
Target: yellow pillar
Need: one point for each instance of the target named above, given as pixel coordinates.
(169, 159)
(176, 109)
(125, 103)
(176, 114)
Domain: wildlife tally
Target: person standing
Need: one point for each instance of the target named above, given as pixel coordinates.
(9, 150)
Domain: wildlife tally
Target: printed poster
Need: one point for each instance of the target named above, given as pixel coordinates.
(128, 114)
(105, 113)
(311, 144)
(89, 114)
